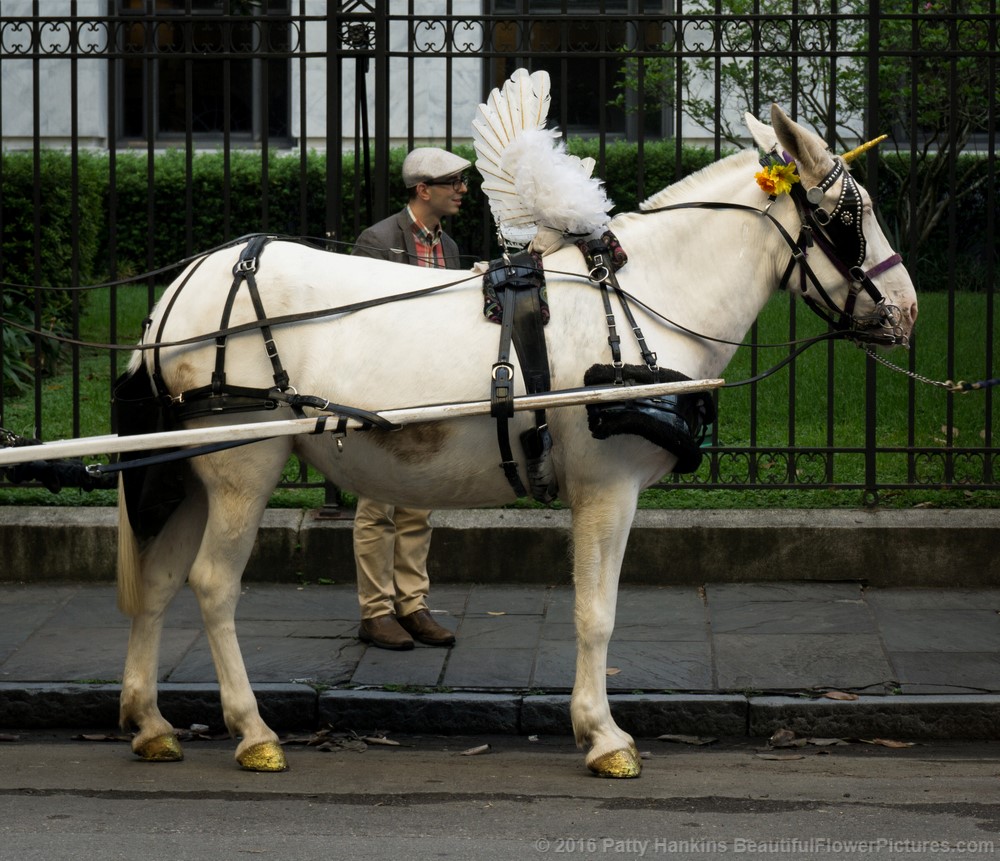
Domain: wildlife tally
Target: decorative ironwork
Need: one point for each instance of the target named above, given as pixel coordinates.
(816, 45)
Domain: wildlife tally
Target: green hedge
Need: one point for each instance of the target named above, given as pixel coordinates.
(60, 237)
(176, 235)
(956, 252)
(174, 238)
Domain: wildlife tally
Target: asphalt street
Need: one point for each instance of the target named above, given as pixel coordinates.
(428, 797)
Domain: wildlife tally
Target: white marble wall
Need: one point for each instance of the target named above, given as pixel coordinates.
(54, 113)
(17, 77)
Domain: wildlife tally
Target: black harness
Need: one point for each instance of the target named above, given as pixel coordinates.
(839, 234)
(514, 290)
(219, 396)
(516, 284)
(152, 489)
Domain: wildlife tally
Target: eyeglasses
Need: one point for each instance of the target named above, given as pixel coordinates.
(456, 183)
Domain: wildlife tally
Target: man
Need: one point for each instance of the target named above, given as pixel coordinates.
(391, 542)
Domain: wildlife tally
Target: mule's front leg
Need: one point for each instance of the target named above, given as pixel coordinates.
(600, 533)
(215, 576)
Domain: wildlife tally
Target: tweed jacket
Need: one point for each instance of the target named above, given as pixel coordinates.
(392, 239)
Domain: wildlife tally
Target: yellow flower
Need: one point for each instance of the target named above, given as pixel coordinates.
(777, 179)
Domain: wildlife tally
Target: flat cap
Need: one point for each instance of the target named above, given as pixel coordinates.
(427, 164)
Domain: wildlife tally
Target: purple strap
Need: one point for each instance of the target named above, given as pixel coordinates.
(888, 263)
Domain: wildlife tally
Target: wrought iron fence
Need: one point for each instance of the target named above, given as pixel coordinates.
(137, 133)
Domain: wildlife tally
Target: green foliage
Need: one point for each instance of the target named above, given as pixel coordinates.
(56, 238)
(955, 253)
(933, 84)
(748, 76)
(662, 164)
(17, 373)
(199, 203)
(935, 101)
(952, 255)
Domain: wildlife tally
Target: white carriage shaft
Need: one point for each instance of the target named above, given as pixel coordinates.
(114, 444)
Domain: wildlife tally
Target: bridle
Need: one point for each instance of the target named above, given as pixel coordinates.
(839, 234)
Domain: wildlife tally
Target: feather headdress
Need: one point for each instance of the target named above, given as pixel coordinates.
(529, 177)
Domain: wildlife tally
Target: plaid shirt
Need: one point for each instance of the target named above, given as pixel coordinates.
(428, 243)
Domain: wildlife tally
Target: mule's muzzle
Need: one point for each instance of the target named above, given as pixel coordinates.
(884, 327)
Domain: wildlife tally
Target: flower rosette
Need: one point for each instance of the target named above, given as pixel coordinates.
(777, 179)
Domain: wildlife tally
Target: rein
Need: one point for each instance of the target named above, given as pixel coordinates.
(251, 326)
(844, 323)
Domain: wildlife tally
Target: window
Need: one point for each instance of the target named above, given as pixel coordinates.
(186, 72)
(579, 43)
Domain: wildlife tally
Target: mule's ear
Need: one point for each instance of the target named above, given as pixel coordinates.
(762, 135)
(807, 149)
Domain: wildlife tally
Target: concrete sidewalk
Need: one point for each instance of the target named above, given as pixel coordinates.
(719, 659)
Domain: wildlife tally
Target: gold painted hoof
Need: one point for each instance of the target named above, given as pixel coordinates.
(265, 756)
(163, 748)
(619, 763)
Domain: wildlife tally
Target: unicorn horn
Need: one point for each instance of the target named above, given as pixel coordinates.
(854, 153)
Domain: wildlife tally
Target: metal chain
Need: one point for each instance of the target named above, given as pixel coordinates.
(950, 385)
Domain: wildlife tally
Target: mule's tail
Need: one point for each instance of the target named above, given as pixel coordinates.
(129, 561)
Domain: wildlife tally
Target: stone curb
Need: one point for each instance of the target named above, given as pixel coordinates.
(953, 548)
(298, 708)
(973, 716)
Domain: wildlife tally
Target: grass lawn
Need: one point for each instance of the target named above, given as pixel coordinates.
(828, 384)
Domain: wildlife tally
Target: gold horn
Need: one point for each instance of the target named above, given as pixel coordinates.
(854, 153)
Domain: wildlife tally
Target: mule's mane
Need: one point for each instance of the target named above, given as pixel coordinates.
(682, 189)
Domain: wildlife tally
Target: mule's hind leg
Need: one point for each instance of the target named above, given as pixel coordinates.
(237, 489)
(600, 532)
(147, 584)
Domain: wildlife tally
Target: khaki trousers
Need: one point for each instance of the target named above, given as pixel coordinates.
(390, 551)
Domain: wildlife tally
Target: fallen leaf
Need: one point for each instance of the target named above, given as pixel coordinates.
(613, 671)
(826, 742)
(780, 757)
(353, 745)
(687, 739)
(495, 613)
(379, 739)
(299, 739)
(476, 751)
(888, 742)
(199, 727)
(782, 738)
(532, 738)
(101, 737)
(6, 736)
(840, 695)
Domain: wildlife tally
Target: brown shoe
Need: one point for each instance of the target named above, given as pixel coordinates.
(384, 632)
(423, 627)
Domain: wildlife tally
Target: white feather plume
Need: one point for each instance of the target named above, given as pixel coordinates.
(528, 176)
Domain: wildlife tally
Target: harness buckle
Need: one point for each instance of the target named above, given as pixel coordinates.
(599, 273)
(502, 372)
(248, 265)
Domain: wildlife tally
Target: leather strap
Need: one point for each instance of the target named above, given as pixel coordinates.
(521, 324)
